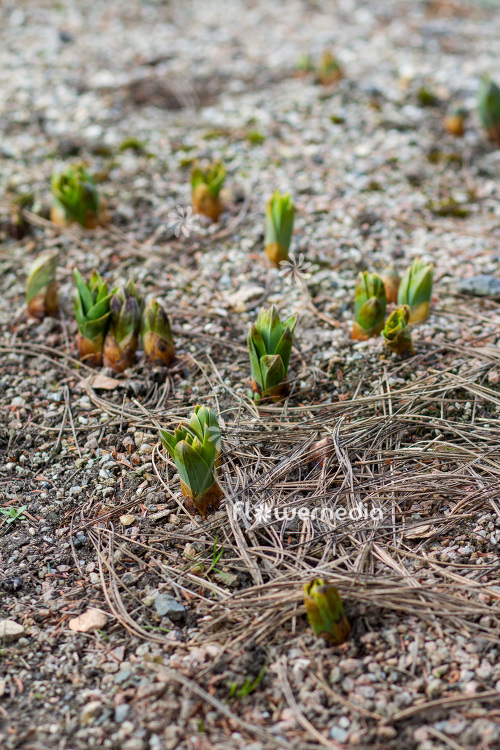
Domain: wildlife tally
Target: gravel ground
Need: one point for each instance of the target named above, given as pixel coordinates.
(175, 644)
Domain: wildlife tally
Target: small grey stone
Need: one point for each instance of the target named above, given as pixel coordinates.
(483, 285)
(453, 726)
(434, 688)
(167, 606)
(121, 712)
(122, 675)
(338, 734)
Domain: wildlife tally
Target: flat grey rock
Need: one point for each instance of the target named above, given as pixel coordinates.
(483, 285)
(167, 606)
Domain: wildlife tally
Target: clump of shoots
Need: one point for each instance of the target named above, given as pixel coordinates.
(396, 333)
(92, 311)
(206, 185)
(369, 306)
(195, 449)
(329, 69)
(304, 64)
(454, 121)
(75, 199)
(489, 108)
(325, 611)
(156, 335)
(280, 212)
(120, 344)
(270, 345)
(41, 287)
(391, 280)
(203, 419)
(415, 290)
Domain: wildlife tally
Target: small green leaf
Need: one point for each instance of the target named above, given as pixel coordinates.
(273, 372)
(42, 273)
(192, 468)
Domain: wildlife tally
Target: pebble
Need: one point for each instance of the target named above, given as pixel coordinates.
(123, 675)
(10, 630)
(453, 727)
(92, 619)
(127, 520)
(338, 734)
(483, 285)
(434, 688)
(168, 606)
(90, 711)
(237, 300)
(134, 743)
(121, 712)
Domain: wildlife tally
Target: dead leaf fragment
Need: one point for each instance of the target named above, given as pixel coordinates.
(97, 381)
(92, 619)
(420, 532)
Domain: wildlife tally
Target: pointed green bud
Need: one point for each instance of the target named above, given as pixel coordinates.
(454, 121)
(92, 310)
(329, 69)
(169, 441)
(193, 469)
(213, 177)
(415, 290)
(325, 611)
(75, 198)
(304, 64)
(131, 291)
(280, 213)
(489, 107)
(273, 373)
(206, 185)
(269, 347)
(193, 447)
(206, 425)
(122, 338)
(391, 280)
(369, 306)
(156, 334)
(270, 328)
(41, 286)
(396, 333)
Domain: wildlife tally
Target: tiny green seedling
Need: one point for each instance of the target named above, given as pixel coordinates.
(248, 686)
(13, 514)
(216, 556)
